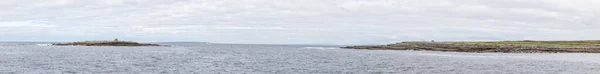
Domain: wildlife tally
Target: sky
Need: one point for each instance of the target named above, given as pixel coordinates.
(337, 22)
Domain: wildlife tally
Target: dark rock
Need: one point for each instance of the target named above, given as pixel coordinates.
(478, 48)
(104, 43)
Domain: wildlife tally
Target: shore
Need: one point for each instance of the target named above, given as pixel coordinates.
(104, 43)
(494, 47)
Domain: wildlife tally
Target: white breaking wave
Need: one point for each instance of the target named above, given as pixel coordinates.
(320, 48)
(454, 55)
(43, 44)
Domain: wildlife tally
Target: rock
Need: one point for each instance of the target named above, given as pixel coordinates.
(104, 43)
(478, 48)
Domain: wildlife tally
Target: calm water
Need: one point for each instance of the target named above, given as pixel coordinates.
(205, 58)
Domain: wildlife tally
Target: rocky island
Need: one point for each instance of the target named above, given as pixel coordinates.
(526, 46)
(115, 42)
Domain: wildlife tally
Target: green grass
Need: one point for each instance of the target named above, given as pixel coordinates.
(539, 43)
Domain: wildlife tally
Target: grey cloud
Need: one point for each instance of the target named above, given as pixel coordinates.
(300, 21)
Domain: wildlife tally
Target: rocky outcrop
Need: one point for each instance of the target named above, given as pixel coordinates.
(104, 43)
(479, 48)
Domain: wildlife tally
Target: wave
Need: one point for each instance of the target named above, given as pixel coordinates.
(459, 55)
(43, 44)
(321, 48)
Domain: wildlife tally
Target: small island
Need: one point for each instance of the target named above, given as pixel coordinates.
(114, 42)
(526, 46)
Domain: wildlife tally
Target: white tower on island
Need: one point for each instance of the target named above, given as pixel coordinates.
(116, 40)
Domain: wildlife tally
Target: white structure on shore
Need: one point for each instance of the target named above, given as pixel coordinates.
(106, 41)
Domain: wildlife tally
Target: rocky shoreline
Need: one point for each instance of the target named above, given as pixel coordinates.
(104, 43)
(480, 48)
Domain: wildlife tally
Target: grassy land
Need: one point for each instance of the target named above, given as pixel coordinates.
(540, 43)
(527, 46)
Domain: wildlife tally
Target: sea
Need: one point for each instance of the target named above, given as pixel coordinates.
(215, 58)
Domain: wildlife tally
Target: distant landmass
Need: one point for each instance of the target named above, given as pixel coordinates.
(525, 46)
(114, 42)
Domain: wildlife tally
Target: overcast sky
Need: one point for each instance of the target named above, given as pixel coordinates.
(299, 21)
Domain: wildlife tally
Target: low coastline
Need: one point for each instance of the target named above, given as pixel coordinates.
(493, 47)
(104, 43)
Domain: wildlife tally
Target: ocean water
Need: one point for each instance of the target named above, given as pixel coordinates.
(205, 58)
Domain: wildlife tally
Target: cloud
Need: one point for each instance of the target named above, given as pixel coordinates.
(24, 24)
(299, 21)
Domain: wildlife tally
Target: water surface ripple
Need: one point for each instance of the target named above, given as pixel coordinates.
(187, 58)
